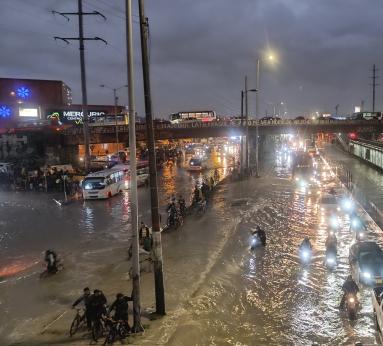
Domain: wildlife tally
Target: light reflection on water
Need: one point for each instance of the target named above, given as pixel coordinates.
(273, 299)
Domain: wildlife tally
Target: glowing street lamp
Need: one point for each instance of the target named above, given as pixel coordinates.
(270, 58)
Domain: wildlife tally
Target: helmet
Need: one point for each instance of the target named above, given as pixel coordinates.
(86, 289)
(119, 295)
(96, 291)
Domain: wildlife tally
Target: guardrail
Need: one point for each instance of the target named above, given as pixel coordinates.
(251, 122)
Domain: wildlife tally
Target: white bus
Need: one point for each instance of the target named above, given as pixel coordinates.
(185, 117)
(103, 184)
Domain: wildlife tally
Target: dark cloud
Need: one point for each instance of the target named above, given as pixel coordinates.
(201, 51)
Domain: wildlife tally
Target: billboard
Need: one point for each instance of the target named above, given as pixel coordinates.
(29, 112)
(72, 116)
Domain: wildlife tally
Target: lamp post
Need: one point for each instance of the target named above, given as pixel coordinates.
(270, 57)
(115, 106)
(246, 116)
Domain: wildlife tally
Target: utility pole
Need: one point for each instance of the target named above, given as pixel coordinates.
(136, 292)
(81, 40)
(156, 228)
(257, 86)
(336, 109)
(242, 136)
(362, 105)
(374, 85)
(247, 124)
(115, 115)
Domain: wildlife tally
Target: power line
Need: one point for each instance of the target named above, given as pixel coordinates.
(80, 14)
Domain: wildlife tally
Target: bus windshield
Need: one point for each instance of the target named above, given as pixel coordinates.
(93, 183)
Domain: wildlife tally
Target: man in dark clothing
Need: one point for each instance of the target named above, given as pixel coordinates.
(261, 234)
(97, 302)
(51, 259)
(143, 232)
(120, 307)
(85, 298)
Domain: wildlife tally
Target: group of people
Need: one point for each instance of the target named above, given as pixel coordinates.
(349, 287)
(96, 308)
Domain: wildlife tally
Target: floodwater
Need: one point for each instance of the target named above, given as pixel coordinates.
(85, 235)
(266, 297)
(218, 291)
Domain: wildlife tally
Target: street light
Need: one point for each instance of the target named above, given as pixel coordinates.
(270, 57)
(115, 106)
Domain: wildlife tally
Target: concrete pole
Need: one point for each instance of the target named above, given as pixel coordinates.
(256, 126)
(242, 137)
(83, 88)
(115, 114)
(157, 246)
(247, 124)
(137, 326)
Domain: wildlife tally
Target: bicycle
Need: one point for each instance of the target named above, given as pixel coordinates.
(117, 330)
(77, 322)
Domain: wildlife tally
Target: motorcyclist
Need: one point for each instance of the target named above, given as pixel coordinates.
(306, 244)
(182, 205)
(196, 195)
(85, 298)
(205, 190)
(172, 211)
(349, 287)
(261, 234)
(331, 241)
(51, 259)
(211, 181)
(216, 175)
(120, 307)
(97, 302)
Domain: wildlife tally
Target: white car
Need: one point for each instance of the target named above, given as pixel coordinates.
(328, 204)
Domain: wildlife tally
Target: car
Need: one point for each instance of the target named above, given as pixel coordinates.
(366, 262)
(328, 204)
(300, 118)
(6, 167)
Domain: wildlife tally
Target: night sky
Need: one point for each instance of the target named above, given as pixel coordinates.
(201, 50)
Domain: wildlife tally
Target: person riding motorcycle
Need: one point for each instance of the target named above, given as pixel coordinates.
(306, 244)
(120, 307)
(349, 287)
(331, 241)
(172, 211)
(216, 175)
(196, 195)
(143, 232)
(182, 205)
(52, 262)
(85, 298)
(261, 235)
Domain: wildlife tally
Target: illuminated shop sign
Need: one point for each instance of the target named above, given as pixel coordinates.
(29, 112)
(73, 116)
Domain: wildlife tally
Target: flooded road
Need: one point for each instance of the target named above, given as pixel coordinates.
(266, 297)
(218, 291)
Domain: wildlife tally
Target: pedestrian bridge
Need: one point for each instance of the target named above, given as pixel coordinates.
(101, 133)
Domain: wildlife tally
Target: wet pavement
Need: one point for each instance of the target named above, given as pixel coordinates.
(219, 292)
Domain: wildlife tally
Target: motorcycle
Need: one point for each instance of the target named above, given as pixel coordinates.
(46, 273)
(331, 260)
(305, 254)
(175, 220)
(255, 241)
(351, 305)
